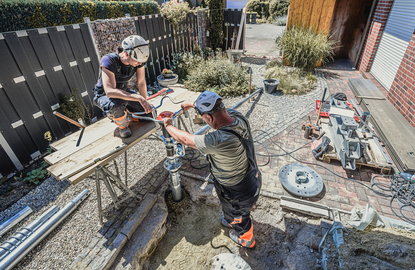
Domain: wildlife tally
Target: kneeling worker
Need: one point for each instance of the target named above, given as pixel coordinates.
(230, 152)
(111, 91)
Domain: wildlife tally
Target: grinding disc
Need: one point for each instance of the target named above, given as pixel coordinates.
(301, 180)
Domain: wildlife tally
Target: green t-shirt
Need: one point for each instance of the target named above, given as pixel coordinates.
(228, 158)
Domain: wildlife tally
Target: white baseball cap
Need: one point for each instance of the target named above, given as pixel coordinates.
(206, 102)
(136, 47)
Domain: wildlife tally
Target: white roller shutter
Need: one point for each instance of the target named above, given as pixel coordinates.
(395, 39)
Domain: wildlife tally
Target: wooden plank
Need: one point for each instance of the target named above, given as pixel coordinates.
(326, 16)
(309, 8)
(104, 123)
(297, 13)
(315, 14)
(142, 131)
(291, 12)
(65, 168)
(241, 24)
(90, 134)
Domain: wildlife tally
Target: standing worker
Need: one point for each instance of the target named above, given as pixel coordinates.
(111, 91)
(230, 152)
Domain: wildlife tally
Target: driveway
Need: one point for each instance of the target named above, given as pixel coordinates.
(260, 39)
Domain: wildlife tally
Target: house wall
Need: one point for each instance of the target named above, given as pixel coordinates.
(402, 92)
(374, 34)
(317, 13)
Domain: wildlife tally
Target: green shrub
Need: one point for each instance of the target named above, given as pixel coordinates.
(257, 6)
(183, 62)
(304, 47)
(278, 8)
(75, 108)
(290, 78)
(274, 63)
(281, 21)
(228, 79)
(28, 14)
(36, 175)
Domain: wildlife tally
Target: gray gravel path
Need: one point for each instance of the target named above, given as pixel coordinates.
(272, 113)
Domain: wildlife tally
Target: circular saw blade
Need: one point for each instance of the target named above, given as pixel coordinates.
(301, 180)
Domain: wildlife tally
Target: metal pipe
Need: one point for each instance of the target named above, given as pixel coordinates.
(17, 254)
(8, 224)
(206, 127)
(20, 236)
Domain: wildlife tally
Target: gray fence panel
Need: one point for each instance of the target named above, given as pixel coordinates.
(89, 44)
(11, 136)
(55, 79)
(159, 46)
(5, 163)
(20, 93)
(85, 67)
(164, 49)
(140, 23)
(153, 42)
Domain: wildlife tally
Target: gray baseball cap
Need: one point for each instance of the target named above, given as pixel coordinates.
(206, 102)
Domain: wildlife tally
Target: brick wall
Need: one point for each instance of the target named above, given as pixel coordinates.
(371, 44)
(402, 92)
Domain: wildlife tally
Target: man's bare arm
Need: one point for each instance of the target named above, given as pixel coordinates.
(141, 82)
(179, 135)
(109, 84)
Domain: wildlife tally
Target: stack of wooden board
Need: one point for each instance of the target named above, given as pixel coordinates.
(393, 129)
(77, 155)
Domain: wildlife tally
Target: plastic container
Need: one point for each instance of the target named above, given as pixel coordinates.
(271, 85)
(408, 176)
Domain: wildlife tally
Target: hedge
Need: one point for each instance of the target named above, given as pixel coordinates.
(257, 6)
(28, 14)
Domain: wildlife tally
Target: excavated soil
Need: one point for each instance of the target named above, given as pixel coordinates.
(195, 236)
(374, 248)
(283, 240)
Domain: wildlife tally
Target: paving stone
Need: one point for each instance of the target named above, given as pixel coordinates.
(361, 194)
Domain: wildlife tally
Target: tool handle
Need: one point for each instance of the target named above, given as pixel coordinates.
(321, 106)
(68, 119)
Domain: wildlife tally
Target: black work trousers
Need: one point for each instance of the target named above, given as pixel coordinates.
(237, 202)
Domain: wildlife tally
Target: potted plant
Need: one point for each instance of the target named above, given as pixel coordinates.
(167, 73)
